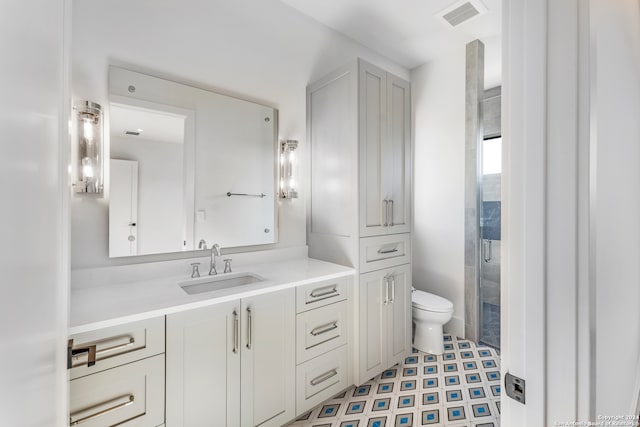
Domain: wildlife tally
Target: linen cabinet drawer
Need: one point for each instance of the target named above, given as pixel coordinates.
(129, 395)
(321, 378)
(321, 293)
(321, 330)
(381, 252)
(117, 345)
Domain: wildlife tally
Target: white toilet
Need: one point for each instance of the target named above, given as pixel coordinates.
(430, 313)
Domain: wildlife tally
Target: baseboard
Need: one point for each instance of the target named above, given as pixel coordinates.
(455, 326)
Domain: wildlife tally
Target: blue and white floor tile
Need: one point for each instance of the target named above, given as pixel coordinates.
(461, 388)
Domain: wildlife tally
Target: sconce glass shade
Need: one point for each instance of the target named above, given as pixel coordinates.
(288, 182)
(87, 163)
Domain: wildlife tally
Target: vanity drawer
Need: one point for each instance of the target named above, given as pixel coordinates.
(321, 378)
(129, 395)
(321, 330)
(322, 293)
(381, 252)
(118, 345)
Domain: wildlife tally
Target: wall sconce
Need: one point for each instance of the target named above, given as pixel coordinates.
(87, 163)
(288, 184)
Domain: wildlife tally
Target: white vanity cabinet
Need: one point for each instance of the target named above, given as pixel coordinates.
(233, 363)
(323, 331)
(117, 375)
(359, 209)
(385, 319)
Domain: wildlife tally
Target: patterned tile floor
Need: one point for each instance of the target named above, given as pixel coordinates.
(460, 388)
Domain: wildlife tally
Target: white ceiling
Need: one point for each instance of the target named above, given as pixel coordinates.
(406, 31)
(158, 126)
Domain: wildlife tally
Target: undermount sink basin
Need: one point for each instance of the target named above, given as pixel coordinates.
(219, 282)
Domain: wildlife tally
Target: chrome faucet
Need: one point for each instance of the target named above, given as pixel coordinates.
(215, 251)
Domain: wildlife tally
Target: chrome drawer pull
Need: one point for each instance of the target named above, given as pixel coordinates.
(322, 292)
(391, 205)
(124, 401)
(131, 341)
(380, 251)
(322, 378)
(324, 328)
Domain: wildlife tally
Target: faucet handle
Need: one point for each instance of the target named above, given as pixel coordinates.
(227, 265)
(195, 270)
(202, 244)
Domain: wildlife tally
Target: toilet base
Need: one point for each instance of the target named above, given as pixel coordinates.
(428, 338)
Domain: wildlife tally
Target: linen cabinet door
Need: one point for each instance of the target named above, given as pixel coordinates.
(399, 314)
(268, 359)
(398, 154)
(374, 187)
(203, 367)
(373, 327)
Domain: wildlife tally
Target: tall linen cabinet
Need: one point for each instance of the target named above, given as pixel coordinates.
(359, 208)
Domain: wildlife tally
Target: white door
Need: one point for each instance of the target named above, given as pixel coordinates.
(203, 366)
(399, 314)
(123, 208)
(374, 188)
(397, 172)
(372, 325)
(34, 214)
(268, 359)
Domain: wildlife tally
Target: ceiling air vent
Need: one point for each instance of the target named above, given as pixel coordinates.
(462, 11)
(132, 132)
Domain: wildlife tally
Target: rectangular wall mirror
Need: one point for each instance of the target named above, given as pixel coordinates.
(188, 167)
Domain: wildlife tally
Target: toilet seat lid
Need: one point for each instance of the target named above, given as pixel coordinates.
(431, 302)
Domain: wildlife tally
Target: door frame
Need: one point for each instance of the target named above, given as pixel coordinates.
(546, 49)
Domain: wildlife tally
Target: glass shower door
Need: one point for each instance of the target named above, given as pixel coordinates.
(490, 215)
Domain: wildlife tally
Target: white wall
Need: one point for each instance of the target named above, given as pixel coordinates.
(438, 94)
(34, 257)
(263, 50)
(616, 193)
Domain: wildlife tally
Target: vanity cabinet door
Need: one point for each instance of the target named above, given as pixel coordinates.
(374, 186)
(399, 314)
(385, 319)
(385, 152)
(203, 366)
(373, 328)
(268, 359)
(398, 154)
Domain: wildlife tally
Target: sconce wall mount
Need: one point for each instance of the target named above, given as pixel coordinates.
(88, 156)
(288, 166)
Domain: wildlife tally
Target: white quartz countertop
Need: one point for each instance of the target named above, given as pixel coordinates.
(118, 303)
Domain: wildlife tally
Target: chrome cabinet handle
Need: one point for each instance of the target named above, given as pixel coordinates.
(390, 251)
(322, 378)
(323, 292)
(393, 288)
(249, 327)
(236, 331)
(386, 290)
(391, 216)
(324, 328)
(81, 416)
(386, 213)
